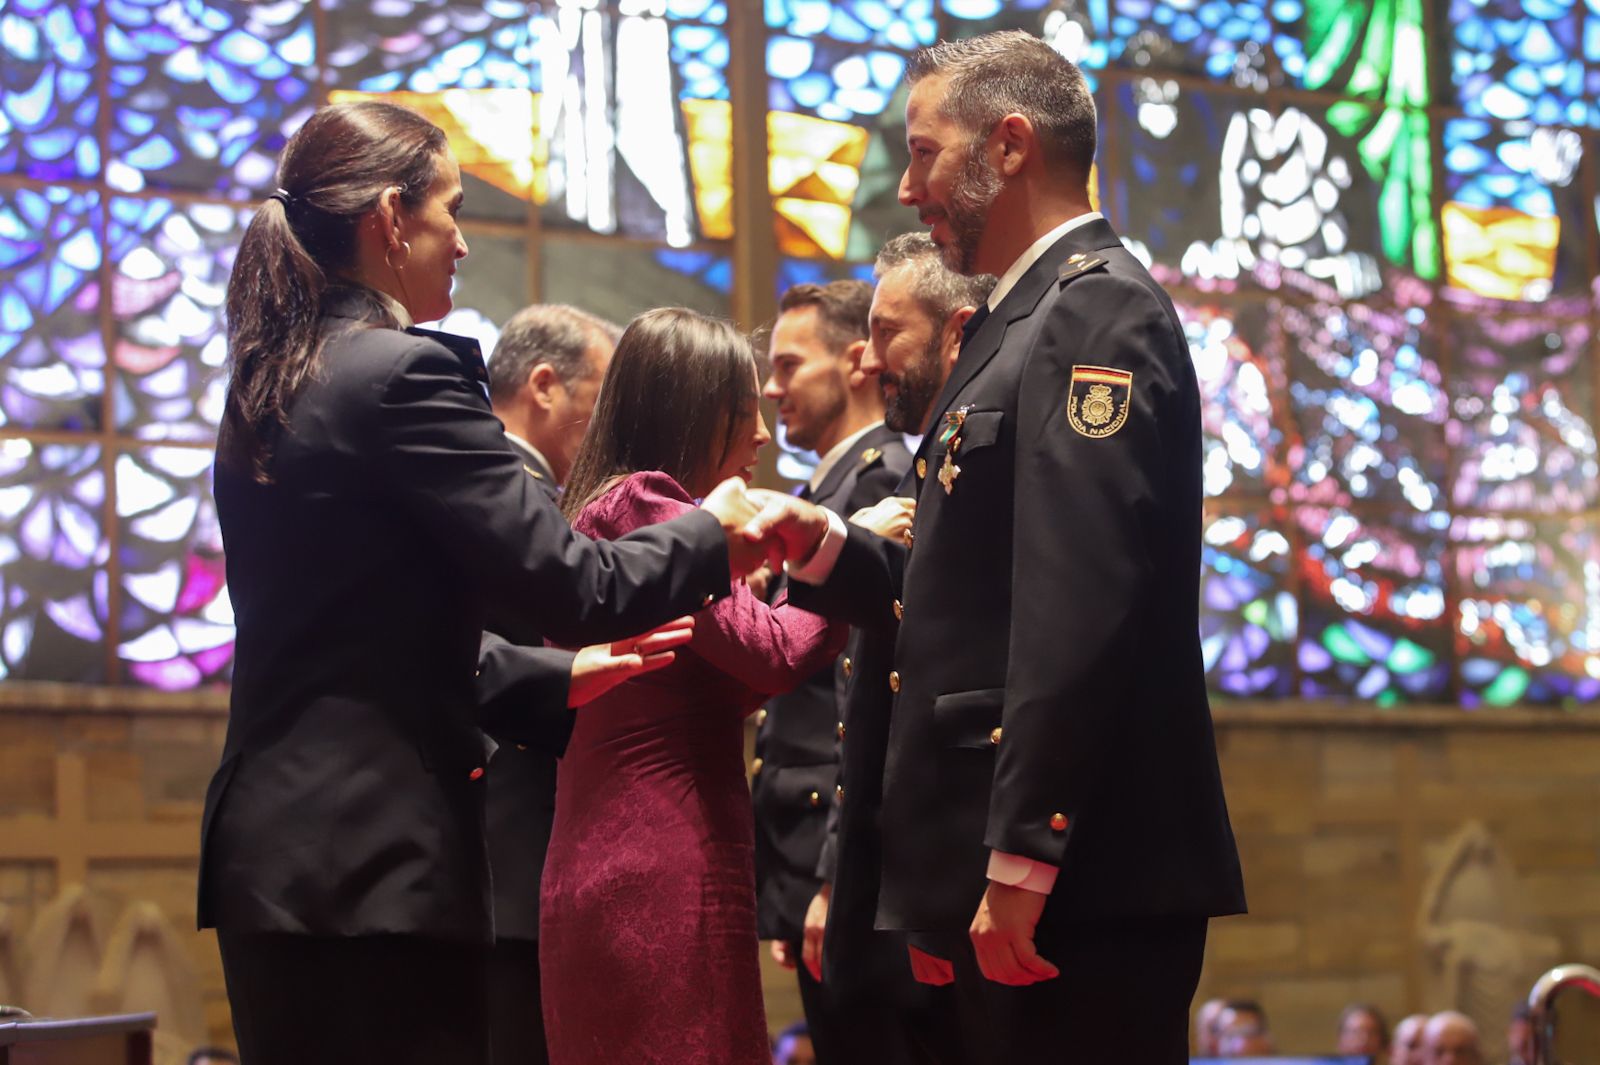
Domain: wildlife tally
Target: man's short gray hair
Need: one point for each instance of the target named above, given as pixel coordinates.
(547, 332)
(940, 290)
(997, 74)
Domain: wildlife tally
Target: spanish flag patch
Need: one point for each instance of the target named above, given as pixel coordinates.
(1098, 400)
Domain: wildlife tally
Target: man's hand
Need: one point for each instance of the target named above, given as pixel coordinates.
(782, 954)
(930, 970)
(735, 509)
(1002, 936)
(815, 924)
(889, 518)
(598, 669)
(791, 528)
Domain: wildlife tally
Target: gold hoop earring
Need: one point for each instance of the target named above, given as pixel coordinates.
(389, 252)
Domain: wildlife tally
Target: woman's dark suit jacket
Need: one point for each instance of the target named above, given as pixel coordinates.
(398, 524)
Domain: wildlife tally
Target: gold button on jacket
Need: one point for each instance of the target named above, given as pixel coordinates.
(1058, 822)
(894, 680)
(994, 737)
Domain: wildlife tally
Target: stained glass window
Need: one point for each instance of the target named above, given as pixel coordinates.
(52, 356)
(204, 95)
(1377, 221)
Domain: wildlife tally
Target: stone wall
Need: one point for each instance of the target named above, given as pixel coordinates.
(1414, 859)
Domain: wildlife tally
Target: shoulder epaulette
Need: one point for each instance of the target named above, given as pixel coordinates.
(1077, 265)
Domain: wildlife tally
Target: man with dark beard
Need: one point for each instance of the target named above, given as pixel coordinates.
(1054, 829)
(918, 311)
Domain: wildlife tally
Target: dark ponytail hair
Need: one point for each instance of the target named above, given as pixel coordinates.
(672, 399)
(332, 172)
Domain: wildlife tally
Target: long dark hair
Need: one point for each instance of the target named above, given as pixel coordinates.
(332, 172)
(678, 388)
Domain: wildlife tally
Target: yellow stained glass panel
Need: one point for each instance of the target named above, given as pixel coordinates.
(1499, 252)
(813, 172)
(709, 125)
(494, 133)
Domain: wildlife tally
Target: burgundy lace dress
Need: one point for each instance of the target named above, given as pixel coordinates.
(647, 920)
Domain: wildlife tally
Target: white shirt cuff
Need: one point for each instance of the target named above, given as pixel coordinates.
(1017, 871)
(816, 569)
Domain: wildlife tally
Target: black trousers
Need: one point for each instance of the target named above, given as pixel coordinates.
(851, 1030)
(1123, 996)
(516, 1021)
(400, 1000)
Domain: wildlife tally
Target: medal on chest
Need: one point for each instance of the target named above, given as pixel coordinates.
(950, 437)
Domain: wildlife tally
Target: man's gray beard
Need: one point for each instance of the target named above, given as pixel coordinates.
(971, 195)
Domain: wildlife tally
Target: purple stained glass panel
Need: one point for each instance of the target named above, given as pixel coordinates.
(52, 358)
(1249, 618)
(176, 630)
(205, 94)
(52, 562)
(1522, 397)
(170, 280)
(48, 105)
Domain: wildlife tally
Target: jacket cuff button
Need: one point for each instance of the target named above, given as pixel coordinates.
(1058, 822)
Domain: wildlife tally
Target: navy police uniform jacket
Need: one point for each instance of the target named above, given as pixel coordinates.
(397, 525)
(796, 772)
(1046, 692)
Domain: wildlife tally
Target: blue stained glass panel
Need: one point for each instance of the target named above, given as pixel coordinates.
(48, 105)
(1511, 60)
(52, 357)
(52, 562)
(1368, 405)
(176, 631)
(1226, 41)
(906, 24)
(831, 80)
(171, 277)
(205, 95)
(700, 54)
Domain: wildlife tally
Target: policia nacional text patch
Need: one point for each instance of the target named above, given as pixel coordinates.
(1098, 399)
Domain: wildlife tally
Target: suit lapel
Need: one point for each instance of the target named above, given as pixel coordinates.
(1018, 303)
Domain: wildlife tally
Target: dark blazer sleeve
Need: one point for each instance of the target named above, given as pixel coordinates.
(1085, 512)
(522, 694)
(446, 458)
(863, 585)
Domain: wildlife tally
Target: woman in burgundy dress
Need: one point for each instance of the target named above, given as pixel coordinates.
(647, 923)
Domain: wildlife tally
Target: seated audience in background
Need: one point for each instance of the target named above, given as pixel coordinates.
(1205, 1027)
(1519, 1037)
(1362, 1030)
(212, 1056)
(1242, 1030)
(1451, 1038)
(793, 1046)
(1406, 1046)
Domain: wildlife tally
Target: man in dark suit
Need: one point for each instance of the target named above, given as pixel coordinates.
(544, 376)
(827, 404)
(1054, 829)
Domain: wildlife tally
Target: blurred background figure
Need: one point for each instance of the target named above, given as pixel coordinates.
(1406, 1046)
(1519, 1037)
(1242, 1030)
(544, 376)
(1362, 1030)
(1450, 1038)
(1205, 1027)
(793, 1046)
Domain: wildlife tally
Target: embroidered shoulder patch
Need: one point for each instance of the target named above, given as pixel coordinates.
(1098, 400)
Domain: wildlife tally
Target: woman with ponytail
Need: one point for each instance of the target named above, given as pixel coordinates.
(375, 520)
